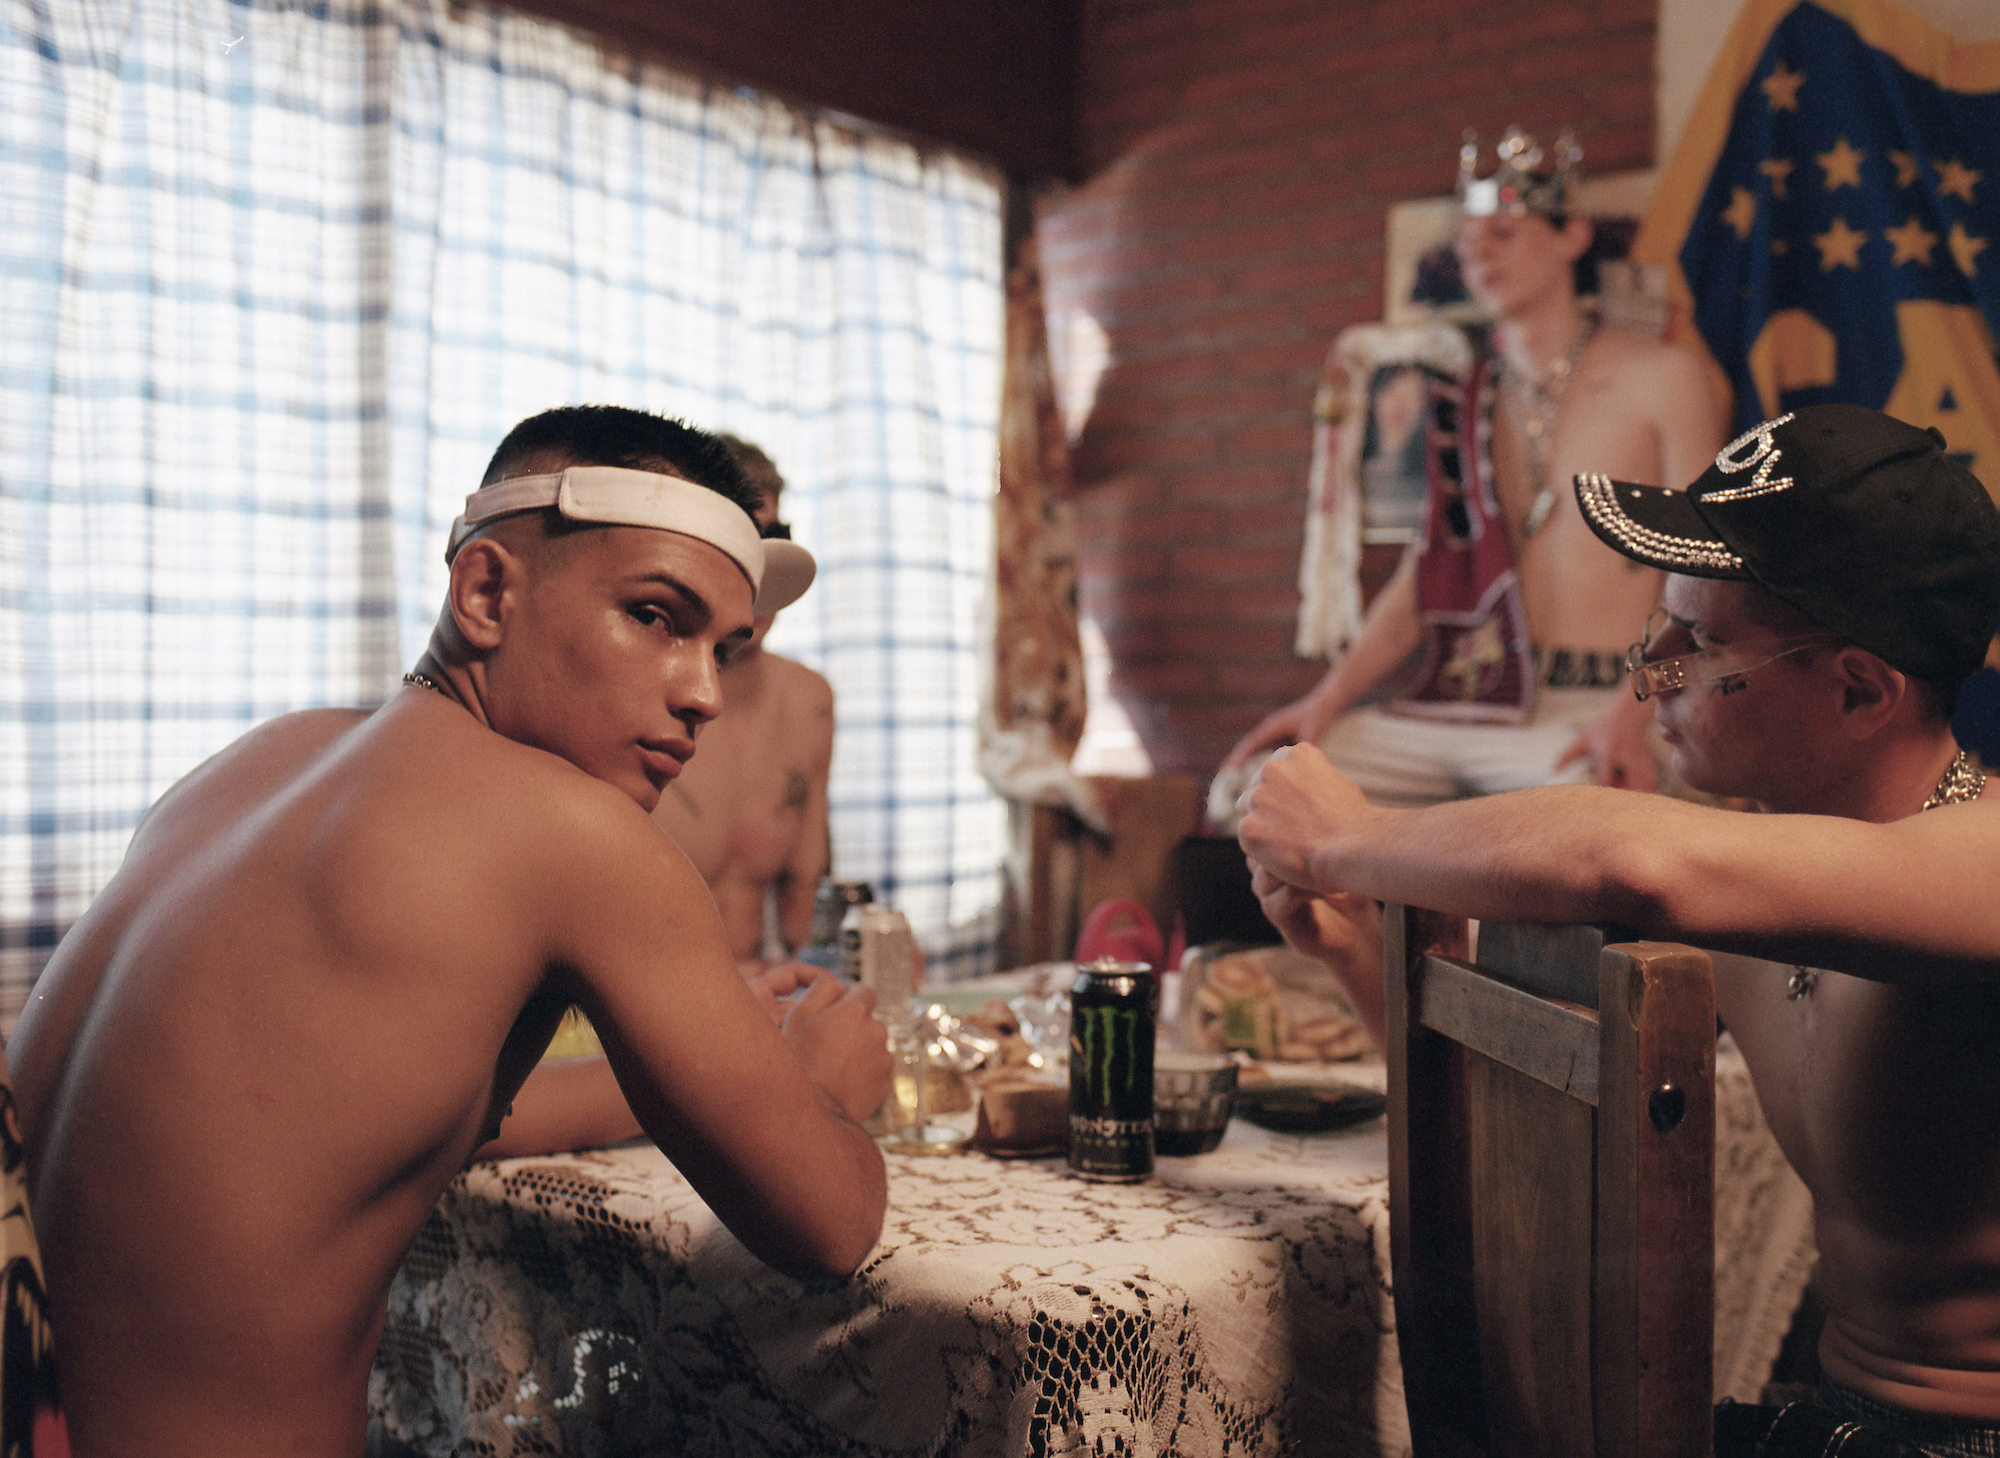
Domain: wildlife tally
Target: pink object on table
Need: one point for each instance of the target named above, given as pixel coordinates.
(1124, 929)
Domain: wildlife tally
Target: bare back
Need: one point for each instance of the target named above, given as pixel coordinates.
(750, 809)
(330, 958)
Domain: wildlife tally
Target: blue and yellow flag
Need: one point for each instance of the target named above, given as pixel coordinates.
(1831, 220)
(1830, 227)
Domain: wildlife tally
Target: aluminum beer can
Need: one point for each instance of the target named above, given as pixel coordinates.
(883, 959)
(1111, 1014)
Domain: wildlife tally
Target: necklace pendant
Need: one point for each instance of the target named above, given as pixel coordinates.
(1538, 511)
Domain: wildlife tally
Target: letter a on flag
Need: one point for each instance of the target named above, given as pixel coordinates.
(1830, 231)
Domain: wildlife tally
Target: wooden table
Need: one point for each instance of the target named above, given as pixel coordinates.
(1237, 1303)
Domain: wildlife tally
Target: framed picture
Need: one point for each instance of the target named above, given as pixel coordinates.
(1421, 282)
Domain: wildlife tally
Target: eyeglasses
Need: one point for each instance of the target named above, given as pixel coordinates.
(1705, 666)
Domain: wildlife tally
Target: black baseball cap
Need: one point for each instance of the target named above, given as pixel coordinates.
(1856, 519)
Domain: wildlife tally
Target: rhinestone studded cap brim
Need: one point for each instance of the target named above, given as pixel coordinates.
(1597, 494)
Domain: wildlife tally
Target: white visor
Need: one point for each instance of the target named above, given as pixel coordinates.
(779, 571)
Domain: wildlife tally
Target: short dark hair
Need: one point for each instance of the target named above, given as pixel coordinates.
(758, 468)
(1937, 700)
(612, 435)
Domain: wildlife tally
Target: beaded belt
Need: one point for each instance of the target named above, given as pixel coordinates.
(1572, 668)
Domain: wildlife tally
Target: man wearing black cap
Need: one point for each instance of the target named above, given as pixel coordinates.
(1834, 578)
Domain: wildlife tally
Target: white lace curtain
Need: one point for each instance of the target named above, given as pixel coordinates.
(274, 280)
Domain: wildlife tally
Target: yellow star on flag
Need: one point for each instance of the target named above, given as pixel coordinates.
(1842, 165)
(1839, 247)
(1781, 87)
(1907, 170)
(1965, 249)
(1913, 243)
(1955, 178)
(1741, 214)
(1777, 169)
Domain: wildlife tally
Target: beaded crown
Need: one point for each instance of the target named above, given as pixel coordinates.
(1526, 179)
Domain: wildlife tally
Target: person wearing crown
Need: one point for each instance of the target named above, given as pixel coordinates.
(1520, 613)
(1835, 577)
(334, 952)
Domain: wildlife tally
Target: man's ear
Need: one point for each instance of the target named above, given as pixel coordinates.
(1870, 691)
(1577, 235)
(482, 575)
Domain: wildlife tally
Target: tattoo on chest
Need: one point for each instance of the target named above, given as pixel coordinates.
(796, 790)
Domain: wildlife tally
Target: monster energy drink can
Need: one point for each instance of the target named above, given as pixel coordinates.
(1111, 1071)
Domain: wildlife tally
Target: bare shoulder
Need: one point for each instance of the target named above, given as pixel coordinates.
(1643, 370)
(250, 766)
(805, 693)
(800, 682)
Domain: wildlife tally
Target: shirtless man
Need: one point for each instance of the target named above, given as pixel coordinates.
(751, 811)
(334, 951)
(1836, 577)
(1598, 400)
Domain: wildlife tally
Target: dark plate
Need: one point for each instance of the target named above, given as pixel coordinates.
(1301, 1109)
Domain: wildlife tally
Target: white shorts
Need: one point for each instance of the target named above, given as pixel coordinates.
(1398, 759)
(1405, 761)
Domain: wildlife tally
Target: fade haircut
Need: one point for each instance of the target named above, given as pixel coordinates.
(1938, 702)
(611, 435)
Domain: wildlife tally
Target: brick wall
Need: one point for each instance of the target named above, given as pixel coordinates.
(1239, 156)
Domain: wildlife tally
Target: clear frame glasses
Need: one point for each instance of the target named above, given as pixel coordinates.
(1704, 666)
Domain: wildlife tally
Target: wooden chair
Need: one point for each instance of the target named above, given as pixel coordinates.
(1551, 1188)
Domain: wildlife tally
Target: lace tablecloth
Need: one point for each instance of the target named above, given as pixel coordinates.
(1238, 1303)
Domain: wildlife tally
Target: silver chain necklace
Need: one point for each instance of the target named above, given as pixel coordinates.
(1534, 404)
(1964, 779)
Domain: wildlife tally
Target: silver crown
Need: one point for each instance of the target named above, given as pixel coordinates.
(1525, 178)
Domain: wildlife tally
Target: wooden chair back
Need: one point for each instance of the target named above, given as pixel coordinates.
(1551, 1186)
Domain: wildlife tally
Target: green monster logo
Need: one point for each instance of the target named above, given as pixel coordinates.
(1099, 1028)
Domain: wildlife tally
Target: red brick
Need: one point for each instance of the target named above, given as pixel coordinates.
(1284, 437)
(1123, 562)
(1322, 32)
(1157, 679)
(1261, 239)
(1278, 396)
(1169, 373)
(1180, 599)
(1318, 272)
(1173, 293)
(1236, 483)
(1570, 66)
(1293, 355)
(1226, 564)
(1256, 689)
(1409, 49)
(1541, 28)
(1227, 644)
(1642, 13)
(1351, 225)
(1130, 31)
(1252, 600)
(1099, 455)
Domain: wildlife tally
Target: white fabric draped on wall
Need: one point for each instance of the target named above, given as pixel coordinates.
(274, 282)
